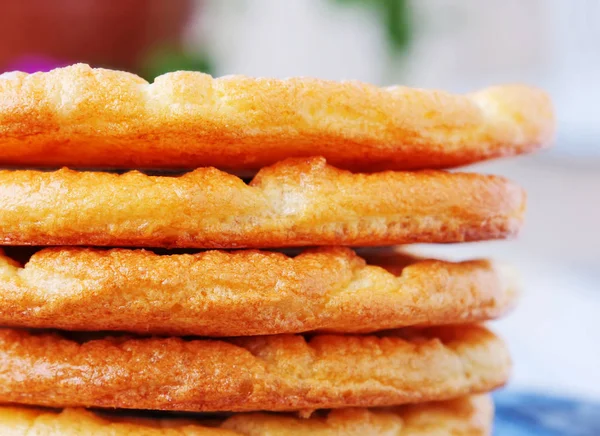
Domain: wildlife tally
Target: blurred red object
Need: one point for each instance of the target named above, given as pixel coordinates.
(41, 34)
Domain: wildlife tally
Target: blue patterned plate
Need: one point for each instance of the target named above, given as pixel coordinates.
(521, 414)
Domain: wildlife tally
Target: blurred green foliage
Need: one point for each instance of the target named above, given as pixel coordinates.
(395, 16)
(166, 59)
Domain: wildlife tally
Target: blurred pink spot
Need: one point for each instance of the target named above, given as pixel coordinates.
(34, 64)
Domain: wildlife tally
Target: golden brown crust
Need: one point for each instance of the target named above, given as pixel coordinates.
(21, 421)
(467, 416)
(293, 203)
(83, 117)
(244, 293)
(276, 373)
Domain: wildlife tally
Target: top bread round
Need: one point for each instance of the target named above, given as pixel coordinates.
(84, 117)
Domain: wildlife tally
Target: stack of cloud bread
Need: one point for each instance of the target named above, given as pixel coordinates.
(319, 340)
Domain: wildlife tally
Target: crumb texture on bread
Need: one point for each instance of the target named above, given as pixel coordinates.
(297, 202)
(84, 117)
(277, 373)
(466, 416)
(247, 292)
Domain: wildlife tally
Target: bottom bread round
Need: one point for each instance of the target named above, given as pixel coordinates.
(468, 416)
(276, 373)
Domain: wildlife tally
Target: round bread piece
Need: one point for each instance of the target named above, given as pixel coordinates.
(241, 293)
(467, 416)
(278, 373)
(293, 203)
(84, 117)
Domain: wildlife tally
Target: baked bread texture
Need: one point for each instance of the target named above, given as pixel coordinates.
(467, 416)
(247, 292)
(276, 373)
(293, 203)
(84, 117)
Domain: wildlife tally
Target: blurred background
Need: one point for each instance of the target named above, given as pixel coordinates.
(458, 45)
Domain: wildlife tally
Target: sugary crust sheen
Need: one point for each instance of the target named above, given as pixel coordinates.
(83, 117)
(292, 203)
(279, 373)
(467, 416)
(242, 293)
